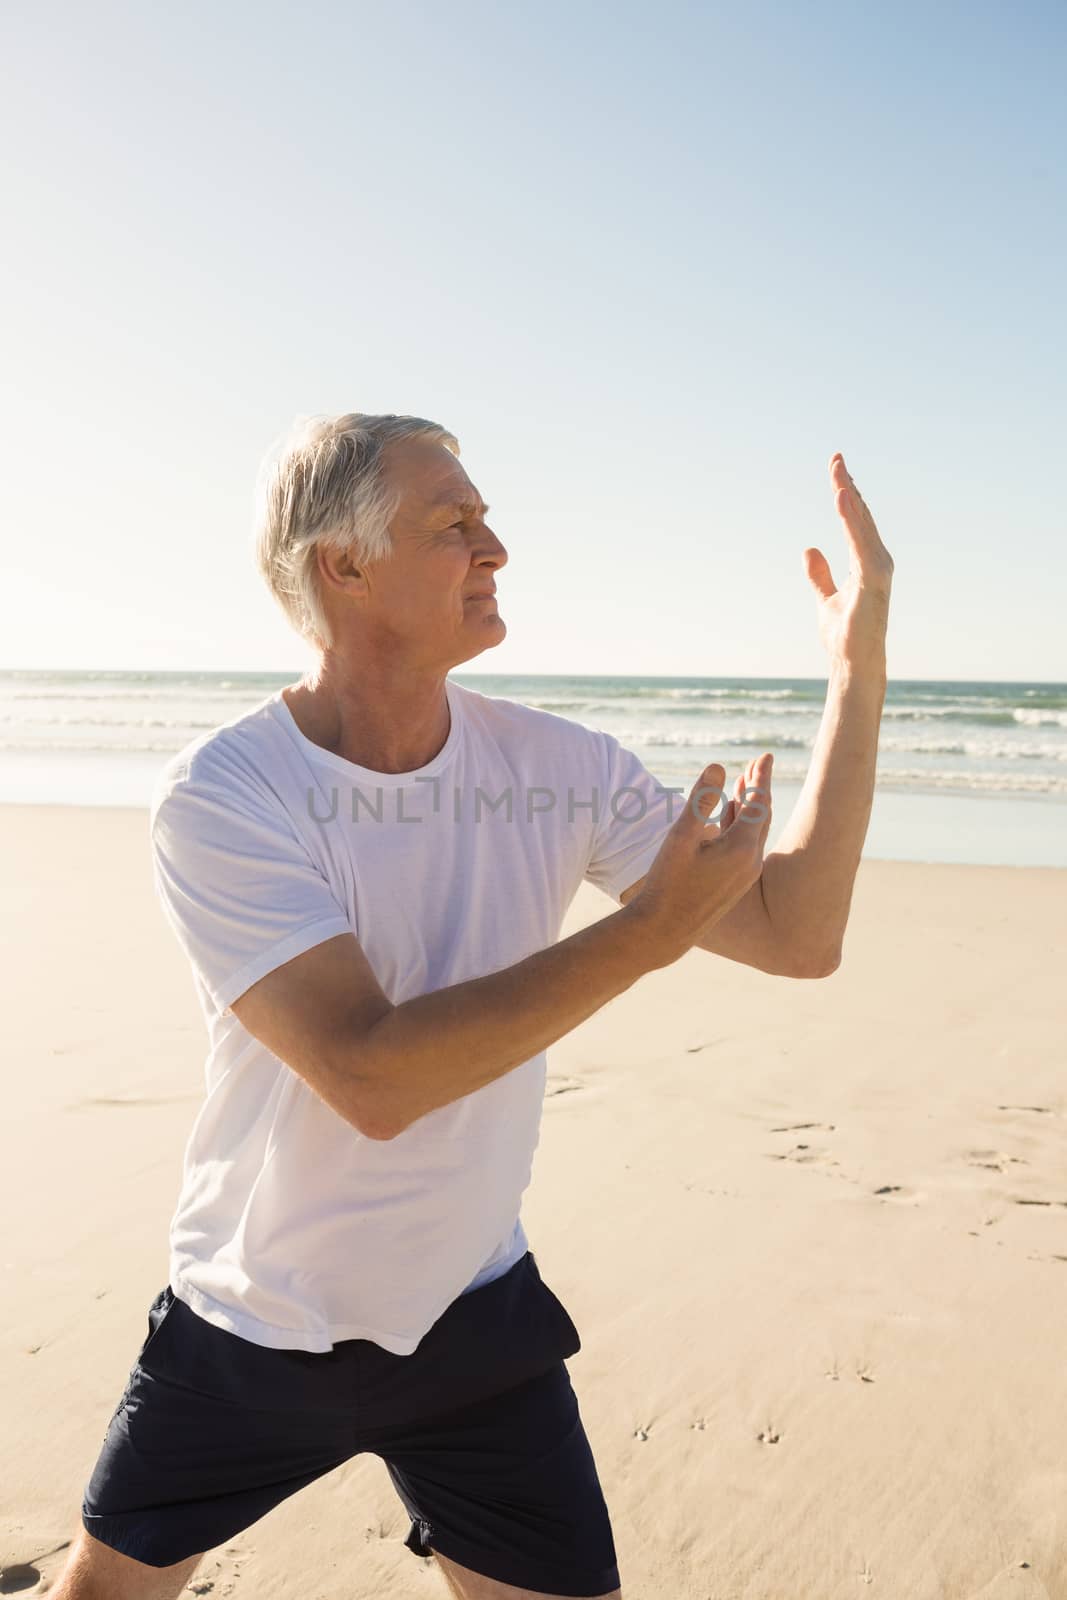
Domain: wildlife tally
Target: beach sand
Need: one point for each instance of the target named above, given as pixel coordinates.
(813, 1234)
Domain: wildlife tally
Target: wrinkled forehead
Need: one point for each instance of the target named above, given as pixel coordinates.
(429, 477)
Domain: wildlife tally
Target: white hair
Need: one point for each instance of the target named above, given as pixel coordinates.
(324, 483)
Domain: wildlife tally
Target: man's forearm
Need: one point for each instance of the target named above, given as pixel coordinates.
(437, 1047)
(809, 875)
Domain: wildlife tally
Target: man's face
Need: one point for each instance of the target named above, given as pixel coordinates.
(422, 601)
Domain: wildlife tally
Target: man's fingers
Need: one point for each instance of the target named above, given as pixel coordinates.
(818, 570)
(705, 795)
(864, 539)
(757, 795)
(751, 796)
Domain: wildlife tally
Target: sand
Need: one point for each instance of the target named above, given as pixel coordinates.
(814, 1236)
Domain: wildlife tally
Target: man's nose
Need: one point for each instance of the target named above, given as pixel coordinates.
(494, 553)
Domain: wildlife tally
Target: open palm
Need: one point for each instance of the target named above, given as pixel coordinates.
(853, 619)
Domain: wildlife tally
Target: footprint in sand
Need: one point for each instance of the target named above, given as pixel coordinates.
(899, 1194)
(994, 1160)
(17, 1577)
(801, 1127)
(221, 1580)
(862, 1370)
(378, 1530)
(561, 1085)
(987, 1222)
(807, 1155)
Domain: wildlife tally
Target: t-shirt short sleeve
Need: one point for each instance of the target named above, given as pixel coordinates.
(237, 885)
(636, 811)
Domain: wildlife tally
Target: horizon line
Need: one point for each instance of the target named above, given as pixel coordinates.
(588, 677)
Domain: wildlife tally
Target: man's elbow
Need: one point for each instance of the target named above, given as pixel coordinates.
(809, 964)
(375, 1121)
(380, 1132)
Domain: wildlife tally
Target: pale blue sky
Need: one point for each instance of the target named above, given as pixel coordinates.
(653, 265)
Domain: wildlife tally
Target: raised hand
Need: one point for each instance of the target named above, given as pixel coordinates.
(853, 619)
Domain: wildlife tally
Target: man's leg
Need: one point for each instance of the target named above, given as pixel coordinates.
(96, 1572)
(469, 1585)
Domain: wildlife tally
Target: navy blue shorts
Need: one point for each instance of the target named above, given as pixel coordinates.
(479, 1430)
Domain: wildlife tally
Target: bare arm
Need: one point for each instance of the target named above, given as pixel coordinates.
(792, 921)
(440, 1046)
(808, 877)
(382, 1066)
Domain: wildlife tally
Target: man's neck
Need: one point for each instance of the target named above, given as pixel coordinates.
(390, 726)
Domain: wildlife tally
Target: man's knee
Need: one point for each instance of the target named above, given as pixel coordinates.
(94, 1571)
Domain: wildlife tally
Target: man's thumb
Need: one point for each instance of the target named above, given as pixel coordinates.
(705, 795)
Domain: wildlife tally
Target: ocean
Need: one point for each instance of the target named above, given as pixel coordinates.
(968, 772)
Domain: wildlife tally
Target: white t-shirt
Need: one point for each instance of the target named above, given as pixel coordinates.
(292, 1229)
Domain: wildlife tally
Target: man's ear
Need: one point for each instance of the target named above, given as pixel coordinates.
(337, 569)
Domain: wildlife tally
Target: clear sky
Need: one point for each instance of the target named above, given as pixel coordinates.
(652, 264)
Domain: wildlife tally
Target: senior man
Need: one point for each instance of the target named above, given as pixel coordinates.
(368, 872)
